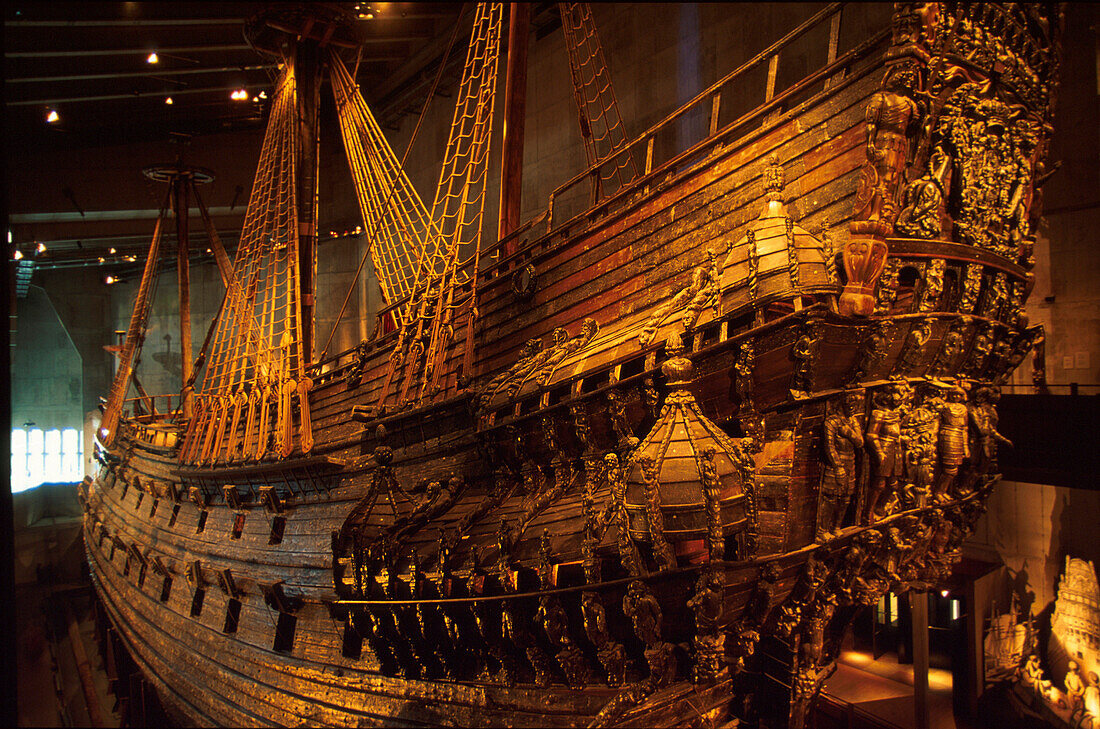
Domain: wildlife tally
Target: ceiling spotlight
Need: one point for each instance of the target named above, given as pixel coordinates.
(111, 280)
(52, 116)
(112, 251)
(263, 94)
(239, 95)
(152, 58)
(18, 255)
(168, 100)
(101, 259)
(41, 248)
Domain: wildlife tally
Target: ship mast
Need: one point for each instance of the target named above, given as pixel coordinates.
(302, 35)
(515, 107)
(308, 65)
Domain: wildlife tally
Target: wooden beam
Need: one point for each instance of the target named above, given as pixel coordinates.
(515, 105)
(183, 273)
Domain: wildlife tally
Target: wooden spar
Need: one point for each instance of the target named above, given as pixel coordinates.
(225, 266)
(307, 70)
(135, 335)
(179, 185)
(515, 104)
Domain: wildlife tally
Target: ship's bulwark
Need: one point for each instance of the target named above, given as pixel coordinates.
(595, 526)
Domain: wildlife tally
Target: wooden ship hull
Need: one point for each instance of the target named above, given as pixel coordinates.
(614, 511)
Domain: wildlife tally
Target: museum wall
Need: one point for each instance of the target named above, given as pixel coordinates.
(1032, 528)
(47, 376)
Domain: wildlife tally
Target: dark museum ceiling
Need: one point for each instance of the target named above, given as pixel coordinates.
(89, 62)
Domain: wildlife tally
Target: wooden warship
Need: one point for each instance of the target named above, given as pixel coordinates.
(637, 465)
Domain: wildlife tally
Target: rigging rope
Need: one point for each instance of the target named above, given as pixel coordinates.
(257, 362)
(602, 128)
(421, 257)
(135, 334)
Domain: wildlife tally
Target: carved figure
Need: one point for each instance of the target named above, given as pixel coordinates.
(1091, 697)
(874, 348)
(883, 439)
(644, 612)
(842, 440)
(892, 117)
(1033, 677)
(983, 420)
(919, 431)
(706, 604)
(662, 664)
(616, 411)
(611, 655)
(912, 353)
(920, 218)
(561, 350)
(949, 349)
(1075, 690)
(656, 521)
(700, 293)
(954, 446)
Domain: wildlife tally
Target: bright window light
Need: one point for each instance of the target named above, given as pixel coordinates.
(39, 457)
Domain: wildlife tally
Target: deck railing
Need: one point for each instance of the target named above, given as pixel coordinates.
(668, 152)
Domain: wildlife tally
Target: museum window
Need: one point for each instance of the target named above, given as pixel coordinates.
(284, 632)
(50, 456)
(232, 616)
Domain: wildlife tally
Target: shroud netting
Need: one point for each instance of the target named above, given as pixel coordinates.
(256, 360)
(426, 260)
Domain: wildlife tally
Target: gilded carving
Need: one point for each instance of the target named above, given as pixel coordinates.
(873, 349)
(923, 201)
(842, 441)
(950, 347)
(953, 445)
(979, 349)
(887, 293)
(611, 655)
(913, 350)
(919, 433)
(709, 642)
(656, 521)
(616, 413)
(804, 352)
(892, 118)
(883, 438)
(972, 286)
(703, 291)
(982, 414)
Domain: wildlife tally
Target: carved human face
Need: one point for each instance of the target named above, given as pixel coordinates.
(853, 403)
